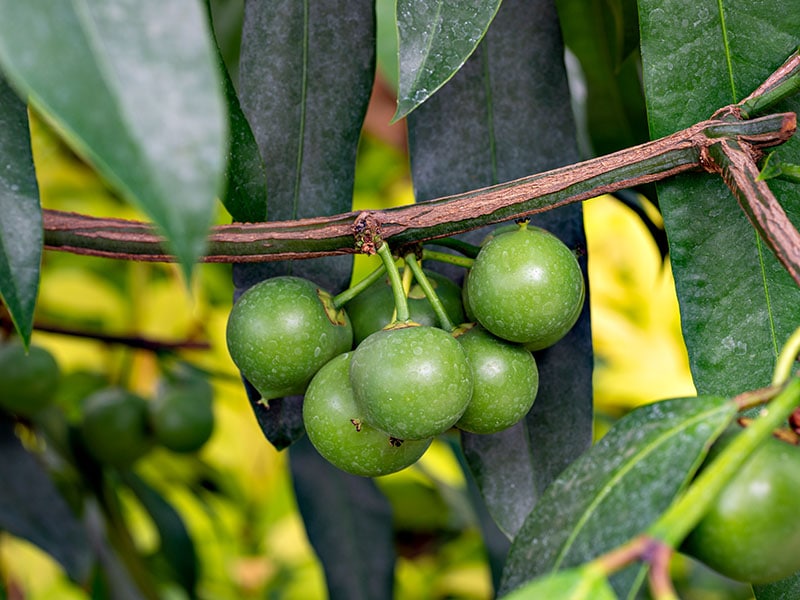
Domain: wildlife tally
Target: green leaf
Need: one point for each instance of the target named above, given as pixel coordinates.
(177, 547)
(583, 583)
(598, 32)
(348, 521)
(305, 78)
(617, 488)
(134, 88)
(20, 215)
(738, 305)
(504, 115)
(32, 508)
(785, 589)
(435, 39)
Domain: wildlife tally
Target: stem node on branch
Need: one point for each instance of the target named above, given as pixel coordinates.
(367, 231)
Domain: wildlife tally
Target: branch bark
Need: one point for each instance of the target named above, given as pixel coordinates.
(683, 151)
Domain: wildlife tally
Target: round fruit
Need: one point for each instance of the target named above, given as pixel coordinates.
(373, 308)
(526, 286)
(505, 379)
(338, 431)
(281, 331)
(28, 380)
(115, 427)
(750, 533)
(413, 382)
(182, 417)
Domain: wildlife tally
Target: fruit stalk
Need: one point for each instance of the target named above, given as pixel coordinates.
(430, 293)
(679, 520)
(344, 297)
(400, 303)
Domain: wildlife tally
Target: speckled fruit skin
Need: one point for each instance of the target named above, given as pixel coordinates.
(337, 429)
(280, 334)
(411, 382)
(751, 533)
(115, 428)
(27, 381)
(526, 286)
(373, 308)
(505, 379)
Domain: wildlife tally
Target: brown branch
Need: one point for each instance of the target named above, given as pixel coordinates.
(308, 238)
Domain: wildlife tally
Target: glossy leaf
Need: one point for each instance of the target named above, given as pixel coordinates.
(785, 589)
(156, 128)
(20, 215)
(177, 546)
(305, 78)
(583, 583)
(504, 115)
(617, 488)
(32, 508)
(349, 524)
(435, 39)
(737, 303)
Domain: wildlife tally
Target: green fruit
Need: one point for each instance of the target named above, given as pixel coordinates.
(115, 428)
(182, 417)
(750, 533)
(505, 378)
(281, 331)
(338, 431)
(28, 380)
(526, 286)
(413, 382)
(373, 308)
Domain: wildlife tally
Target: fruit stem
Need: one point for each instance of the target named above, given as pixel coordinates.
(400, 302)
(684, 514)
(468, 250)
(451, 259)
(344, 297)
(430, 293)
(786, 359)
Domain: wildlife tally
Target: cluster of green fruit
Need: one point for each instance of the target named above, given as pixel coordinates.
(116, 426)
(386, 371)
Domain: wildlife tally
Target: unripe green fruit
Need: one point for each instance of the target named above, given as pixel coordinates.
(182, 417)
(339, 432)
(505, 378)
(281, 331)
(115, 428)
(526, 286)
(750, 533)
(373, 308)
(28, 381)
(413, 382)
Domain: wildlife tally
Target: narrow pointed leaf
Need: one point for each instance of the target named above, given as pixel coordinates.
(32, 508)
(349, 524)
(642, 462)
(504, 115)
(572, 584)
(738, 305)
(435, 39)
(134, 88)
(305, 78)
(20, 215)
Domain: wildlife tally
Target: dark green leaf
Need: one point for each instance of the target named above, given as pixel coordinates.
(435, 39)
(348, 521)
(738, 305)
(504, 115)
(32, 508)
(572, 584)
(134, 88)
(785, 589)
(598, 32)
(20, 215)
(618, 488)
(177, 547)
(305, 78)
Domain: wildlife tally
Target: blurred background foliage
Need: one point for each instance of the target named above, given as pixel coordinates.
(235, 495)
